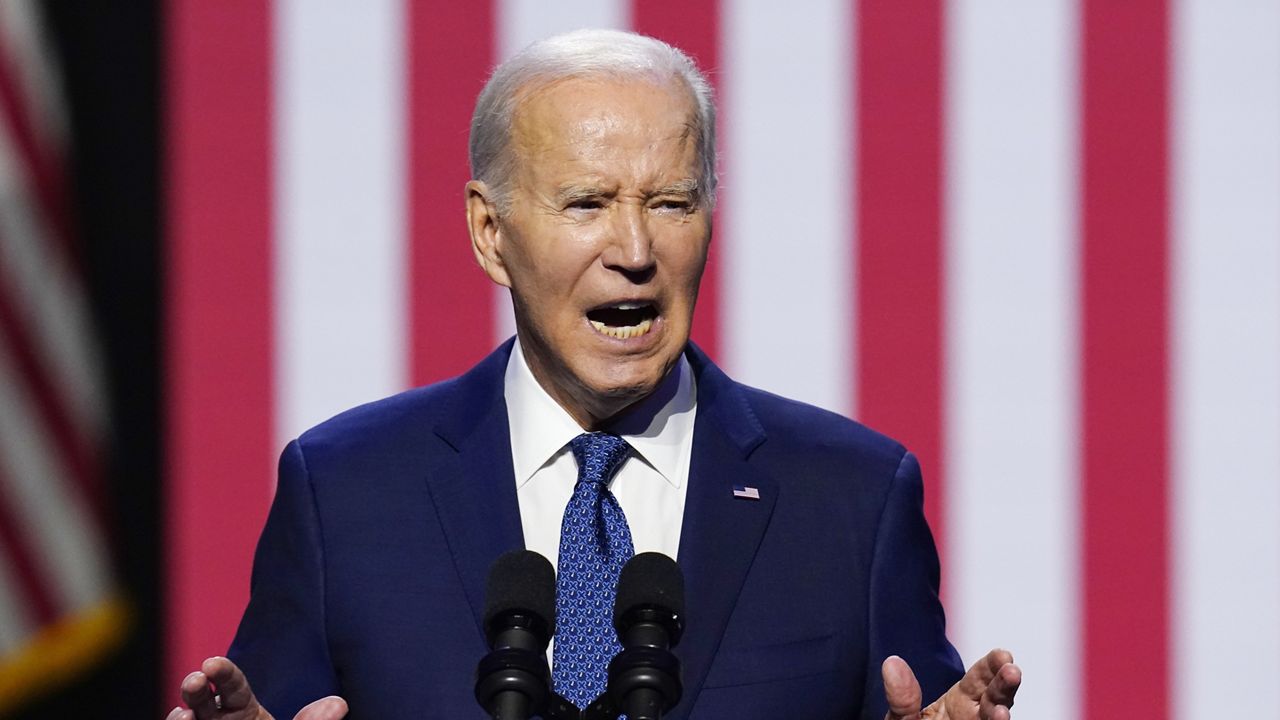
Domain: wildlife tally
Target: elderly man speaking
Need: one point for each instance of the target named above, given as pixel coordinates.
(599, 431)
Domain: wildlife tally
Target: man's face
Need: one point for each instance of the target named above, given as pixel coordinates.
(605, 240)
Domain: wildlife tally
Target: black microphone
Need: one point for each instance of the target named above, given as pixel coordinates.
(519, 620)
(644, 679)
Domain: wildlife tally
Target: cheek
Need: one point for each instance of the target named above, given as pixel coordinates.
(687, 258)
(550, 267)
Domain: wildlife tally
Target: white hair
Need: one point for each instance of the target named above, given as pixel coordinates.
(583, 53)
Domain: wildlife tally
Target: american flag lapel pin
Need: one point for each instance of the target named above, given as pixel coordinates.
(746, 491)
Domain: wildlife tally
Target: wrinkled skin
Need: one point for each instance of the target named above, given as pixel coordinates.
(604, 208)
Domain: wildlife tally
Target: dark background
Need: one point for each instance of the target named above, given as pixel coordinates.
(109, 60)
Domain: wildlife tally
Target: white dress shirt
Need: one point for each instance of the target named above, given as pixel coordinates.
(651, 484)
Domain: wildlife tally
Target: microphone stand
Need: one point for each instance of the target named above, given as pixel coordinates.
(512, 683)
(644, 682)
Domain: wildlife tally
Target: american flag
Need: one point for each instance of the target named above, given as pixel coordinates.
(1038, 242)
(59, 611)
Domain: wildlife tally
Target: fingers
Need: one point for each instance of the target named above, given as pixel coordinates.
(998, 698)
(233, 687)
(330, 708)
(900, 689)
(197, 693)
(982, 673)
(997, 712)
(216, 690)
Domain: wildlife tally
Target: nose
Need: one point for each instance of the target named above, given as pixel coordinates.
(630, 250)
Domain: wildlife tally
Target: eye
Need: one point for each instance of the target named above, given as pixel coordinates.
(673, 205)
(585, 204)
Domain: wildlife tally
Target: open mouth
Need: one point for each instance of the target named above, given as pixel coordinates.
(623, 320)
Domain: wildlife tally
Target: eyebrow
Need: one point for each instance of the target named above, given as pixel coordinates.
(688, 186)
(569, 193)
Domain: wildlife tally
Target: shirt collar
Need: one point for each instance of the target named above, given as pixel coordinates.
(657, 427)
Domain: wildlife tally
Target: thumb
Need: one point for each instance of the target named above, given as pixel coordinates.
(900, 689)
(330, 708)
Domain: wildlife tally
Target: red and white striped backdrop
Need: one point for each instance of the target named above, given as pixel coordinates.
(1038, 242)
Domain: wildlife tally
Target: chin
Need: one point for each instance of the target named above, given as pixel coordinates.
(615, 394)
(630, 389)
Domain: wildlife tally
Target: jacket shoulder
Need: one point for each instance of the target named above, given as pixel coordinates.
(774, 425)
(415, 411)
(803, 428)
(449, 409)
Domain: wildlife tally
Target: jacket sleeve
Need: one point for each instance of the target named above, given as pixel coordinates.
(906, 617)
(281, 643)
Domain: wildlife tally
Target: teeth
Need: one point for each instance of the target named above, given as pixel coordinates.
(625, 332)
(631, 306)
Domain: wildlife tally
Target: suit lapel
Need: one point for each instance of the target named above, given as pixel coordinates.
(721, 532)
(473, 487)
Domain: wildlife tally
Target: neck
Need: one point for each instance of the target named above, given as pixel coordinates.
(621, 413)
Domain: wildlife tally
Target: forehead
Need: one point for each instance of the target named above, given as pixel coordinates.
(632, 126)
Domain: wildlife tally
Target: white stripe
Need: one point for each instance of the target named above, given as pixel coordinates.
(49, 300)
(38, 76)
(1226, 360)
(340, 229)
(1011, 346)
(519, 23)
(785, 241)
(16, 622)
(44, 503)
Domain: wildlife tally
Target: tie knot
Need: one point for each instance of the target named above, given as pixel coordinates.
(599, 455)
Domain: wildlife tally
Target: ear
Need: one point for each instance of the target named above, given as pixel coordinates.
(485, 226)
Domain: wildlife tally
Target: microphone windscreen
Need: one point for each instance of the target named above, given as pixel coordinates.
(521, 581)
(650, 580)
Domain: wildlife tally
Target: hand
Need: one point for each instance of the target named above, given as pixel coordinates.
(984, 693)
(234, 700)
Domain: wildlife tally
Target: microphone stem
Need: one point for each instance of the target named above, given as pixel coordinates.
(510, 705)
(644, 704)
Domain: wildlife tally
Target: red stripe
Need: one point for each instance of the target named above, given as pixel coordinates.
(219, 320)
(899, 230)
(694, 26)
(1125, 374)
(74, 451)
(33, 587)
(451, 49)
(39, 160)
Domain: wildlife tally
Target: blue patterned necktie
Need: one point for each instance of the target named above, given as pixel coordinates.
(595, 543)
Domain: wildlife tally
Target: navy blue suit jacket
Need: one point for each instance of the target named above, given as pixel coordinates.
(369, 579)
